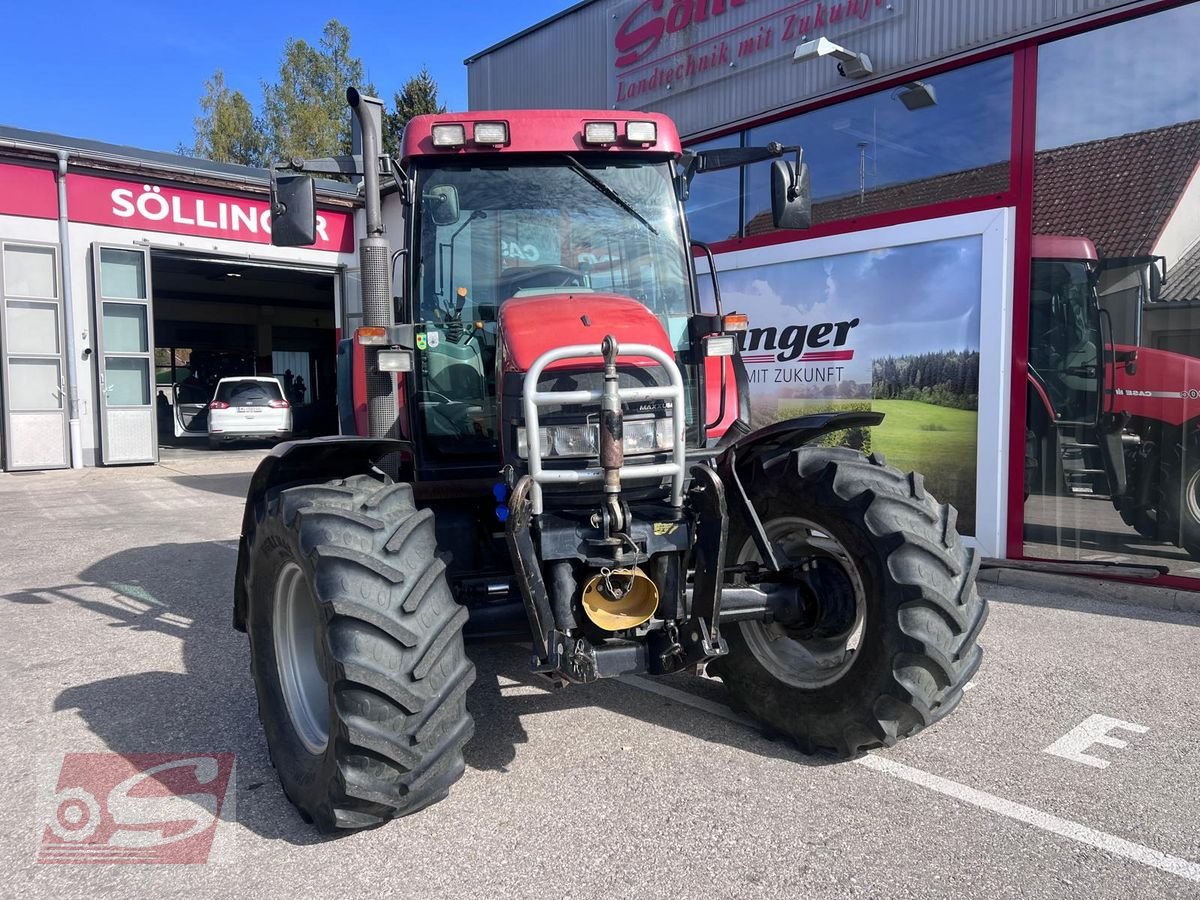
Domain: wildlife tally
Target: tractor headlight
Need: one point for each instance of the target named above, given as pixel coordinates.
(558, 441)
(574, 440)
(555, 441)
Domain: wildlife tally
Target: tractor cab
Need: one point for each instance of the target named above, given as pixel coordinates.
(592, 214)
(1065, 328)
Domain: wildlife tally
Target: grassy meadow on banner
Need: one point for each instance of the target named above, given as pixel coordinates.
(937, 441)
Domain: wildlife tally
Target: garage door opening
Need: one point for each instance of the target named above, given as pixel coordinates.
(217, 319)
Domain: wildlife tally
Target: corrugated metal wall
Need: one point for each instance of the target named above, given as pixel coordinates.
(566, 62)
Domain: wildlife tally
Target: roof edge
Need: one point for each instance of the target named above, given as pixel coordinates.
(123, 158)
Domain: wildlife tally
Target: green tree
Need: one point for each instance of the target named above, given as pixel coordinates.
(304, 112)
(227, 130)
(418, 97)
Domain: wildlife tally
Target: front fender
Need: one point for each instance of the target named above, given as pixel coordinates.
(749, 452)
(785, 436)
(301, 462)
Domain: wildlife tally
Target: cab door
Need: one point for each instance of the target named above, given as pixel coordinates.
(125, 354)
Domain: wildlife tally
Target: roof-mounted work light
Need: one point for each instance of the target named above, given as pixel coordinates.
(449, 135)
(600, 133)
(641, 132)
(491, 133)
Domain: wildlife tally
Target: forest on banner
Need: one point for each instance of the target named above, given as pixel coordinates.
(943, 378)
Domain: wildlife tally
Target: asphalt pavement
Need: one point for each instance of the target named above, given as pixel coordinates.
(115, 595)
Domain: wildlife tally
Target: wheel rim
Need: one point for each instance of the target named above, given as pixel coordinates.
(297, 639)
(1191, 494)
(812, 663)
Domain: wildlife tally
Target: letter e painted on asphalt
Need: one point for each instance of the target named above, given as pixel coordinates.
(1092, 730)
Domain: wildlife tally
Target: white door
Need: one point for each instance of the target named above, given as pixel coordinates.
(125, 354)
(31, 327)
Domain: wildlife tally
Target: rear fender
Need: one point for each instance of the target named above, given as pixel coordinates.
(301, 462)
(748, 453)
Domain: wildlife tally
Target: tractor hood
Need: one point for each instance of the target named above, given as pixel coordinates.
(1165, 386)
(529, 326)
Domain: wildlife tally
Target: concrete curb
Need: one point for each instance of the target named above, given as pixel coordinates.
(1078, 587)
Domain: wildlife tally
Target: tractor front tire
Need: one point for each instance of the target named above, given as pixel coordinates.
(356, 652)
(901, 584)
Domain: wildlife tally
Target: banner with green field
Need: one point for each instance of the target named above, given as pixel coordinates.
(895, 330)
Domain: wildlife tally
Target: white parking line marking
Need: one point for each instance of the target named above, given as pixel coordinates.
(1092, 730)
(1082, 834)
(1101, 840)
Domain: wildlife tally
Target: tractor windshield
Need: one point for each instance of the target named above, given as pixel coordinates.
(490, 232)
(1064, 337)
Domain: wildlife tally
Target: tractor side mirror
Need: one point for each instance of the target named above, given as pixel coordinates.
(293, 210)
(443, 204)
(791, 194)
(1157, 280)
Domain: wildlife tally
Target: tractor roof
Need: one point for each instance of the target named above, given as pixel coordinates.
(538, 131)
(1055, 246)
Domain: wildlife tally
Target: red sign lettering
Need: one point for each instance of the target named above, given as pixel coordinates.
(639, 34)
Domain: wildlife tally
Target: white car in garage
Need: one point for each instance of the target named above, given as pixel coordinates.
(249, 407)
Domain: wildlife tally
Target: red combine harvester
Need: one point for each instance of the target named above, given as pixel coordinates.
(1105, 414)
(556, 441)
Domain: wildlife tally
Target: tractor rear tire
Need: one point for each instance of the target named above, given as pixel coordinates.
(356, 652)
(916, 613)
(1182, 502)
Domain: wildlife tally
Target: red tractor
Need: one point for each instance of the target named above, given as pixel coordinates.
(558, 443)
(1107, 415)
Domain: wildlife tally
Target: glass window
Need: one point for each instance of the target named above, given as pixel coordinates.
(938, 139)
(125, 328)
(123, 273)
(32, 327)
(251, 392)
(490, 233)
(34, 384)
(30, 271)
(1112, 462)
(714, 201)
(127, 381)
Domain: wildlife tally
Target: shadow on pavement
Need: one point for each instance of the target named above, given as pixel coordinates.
(184, 590)
(1073, 596)
(233, 484)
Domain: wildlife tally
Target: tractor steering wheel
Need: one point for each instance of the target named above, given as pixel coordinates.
(543, 277)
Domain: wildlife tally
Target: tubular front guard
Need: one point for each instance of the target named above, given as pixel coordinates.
(714, 491)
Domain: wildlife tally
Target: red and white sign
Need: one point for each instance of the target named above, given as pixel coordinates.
(136, 808)
(28, 191)
(657, 46)
(152, 206)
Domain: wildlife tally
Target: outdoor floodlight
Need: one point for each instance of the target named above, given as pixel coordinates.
(917, 95)
(850, 64)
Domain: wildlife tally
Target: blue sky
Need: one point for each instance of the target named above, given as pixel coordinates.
(131, 72)
(1100, 84)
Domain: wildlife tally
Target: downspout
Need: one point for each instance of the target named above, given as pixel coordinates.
(64, 241)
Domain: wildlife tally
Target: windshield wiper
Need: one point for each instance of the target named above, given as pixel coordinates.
(608, 192)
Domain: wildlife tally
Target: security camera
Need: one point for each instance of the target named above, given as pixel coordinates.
(850, 64)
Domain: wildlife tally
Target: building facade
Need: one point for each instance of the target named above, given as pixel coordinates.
(133, 280)
(999, 187)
